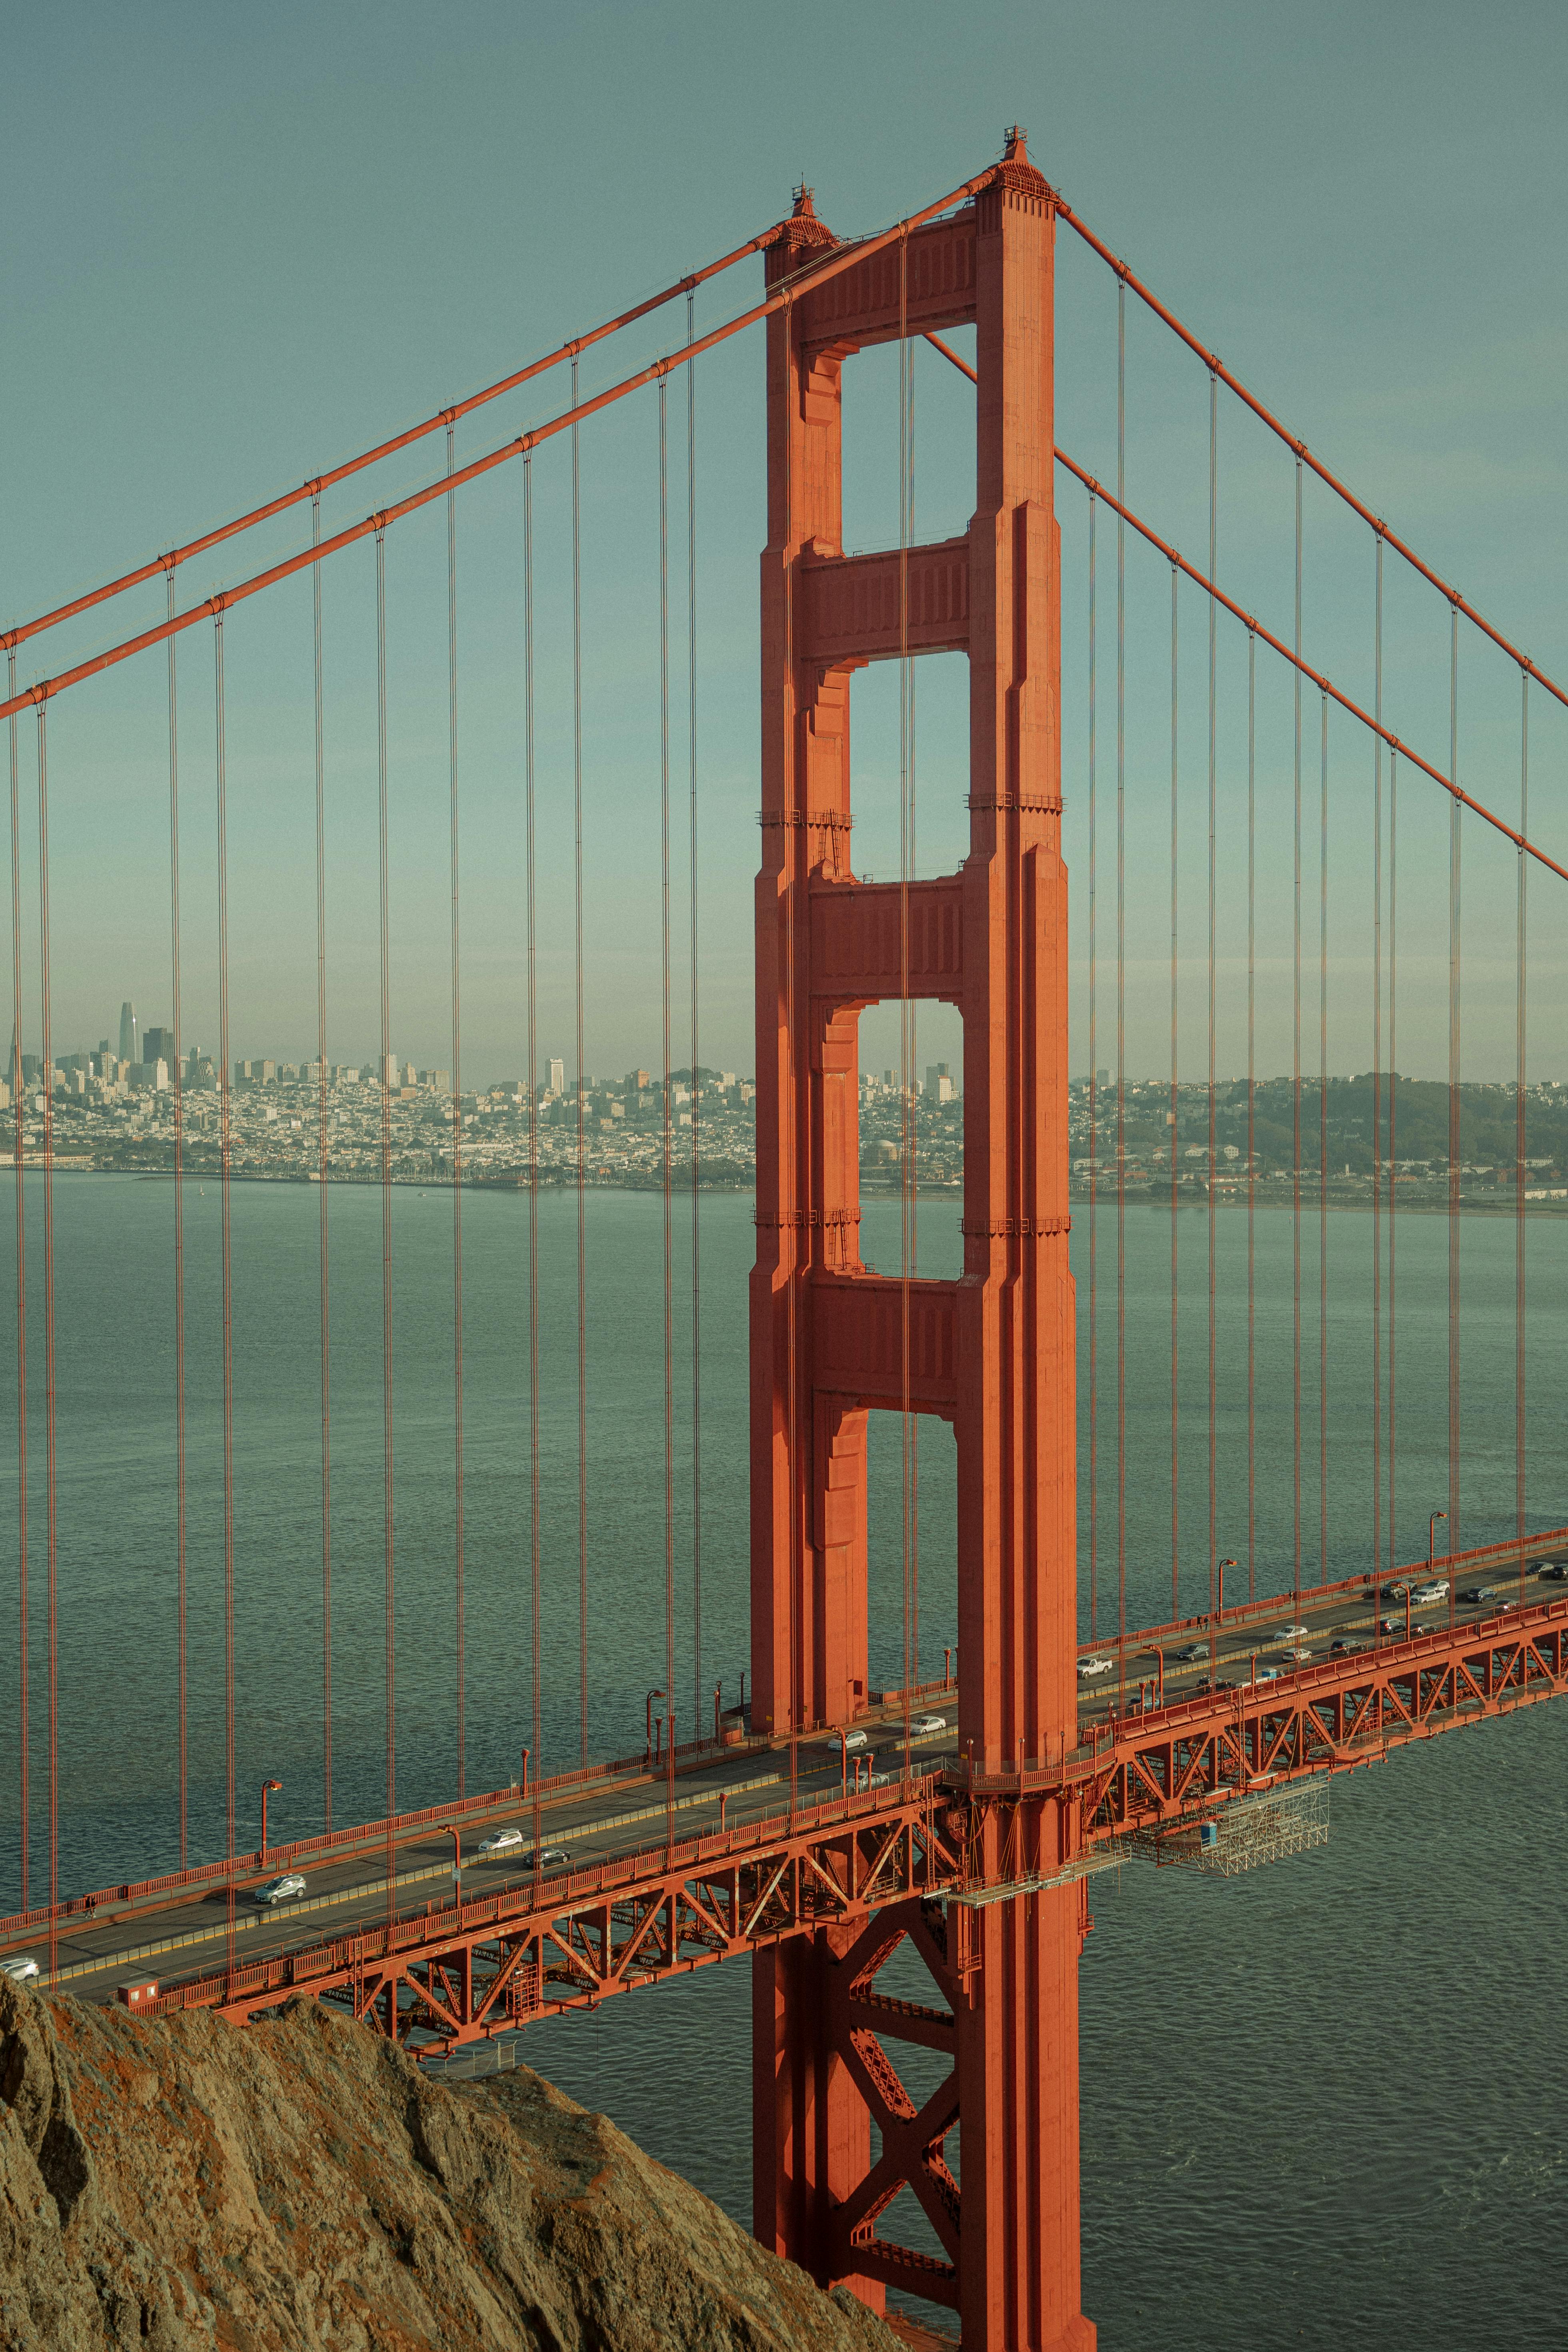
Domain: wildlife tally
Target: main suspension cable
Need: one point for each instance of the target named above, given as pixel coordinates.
(314, 486)
(1251, 1115)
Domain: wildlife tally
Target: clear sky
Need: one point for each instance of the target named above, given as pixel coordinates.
(242, 243)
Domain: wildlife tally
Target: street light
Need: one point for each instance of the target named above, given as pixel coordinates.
(457, 1862)
(1223, 1565)
(267, 1786)
(647, 1750)
(1431, 1531)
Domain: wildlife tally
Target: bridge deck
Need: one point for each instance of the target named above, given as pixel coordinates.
(1344, 1692)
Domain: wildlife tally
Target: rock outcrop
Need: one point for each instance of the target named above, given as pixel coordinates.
(183, 2184)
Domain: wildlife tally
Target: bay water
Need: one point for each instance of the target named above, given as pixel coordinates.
(1321, 2101)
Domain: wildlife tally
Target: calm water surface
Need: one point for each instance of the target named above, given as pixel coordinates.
(1323, 2102)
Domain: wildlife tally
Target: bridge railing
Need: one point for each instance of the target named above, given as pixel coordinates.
(354, 1838)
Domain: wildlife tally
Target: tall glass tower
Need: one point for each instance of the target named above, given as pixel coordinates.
(129, 1034)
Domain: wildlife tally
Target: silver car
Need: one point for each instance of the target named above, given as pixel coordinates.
(20, 1971)
(282, 1890)
(925, 1723)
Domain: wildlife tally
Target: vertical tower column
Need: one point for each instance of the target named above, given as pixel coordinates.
(994, 1351)
(1017, 2031)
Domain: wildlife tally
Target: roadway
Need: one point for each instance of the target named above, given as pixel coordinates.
(1278, 1641)
(185, 1934)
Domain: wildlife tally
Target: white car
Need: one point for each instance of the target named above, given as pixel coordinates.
(1290, 1632)
(1298, 1654)
(502, 1842)
(20, 1971)
(923, 1724)
(282, 1890)
(854, 1739)
(1088, 1666)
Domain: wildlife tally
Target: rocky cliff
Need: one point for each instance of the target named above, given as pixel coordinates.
(184, 2184)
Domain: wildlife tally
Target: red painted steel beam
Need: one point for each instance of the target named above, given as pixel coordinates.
(603, 1930)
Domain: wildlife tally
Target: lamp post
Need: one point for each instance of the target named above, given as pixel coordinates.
(457, 1862)
(267, 1788)
(523, 1790)
(1155, 1652)
(1431, 1532)
(1220, 1618)
(647, 1751)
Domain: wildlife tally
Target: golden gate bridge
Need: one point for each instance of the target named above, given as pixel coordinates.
(784, 1834)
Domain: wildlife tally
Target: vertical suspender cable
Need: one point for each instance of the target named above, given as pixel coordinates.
(48, 1073)
(910, 1243)
(323, 1153)
(1214, 614)
(1251, 1115)
(385, 941)
(664, 969)
(1393, 1106)
(1122, 982)
(790, 1138)
(1518, 1136)
(178, 1075)
(582, 1106)
(1454, 1135)
(1175, 1134)
(695, 1079)
(1324, 1157)
(1296, 1099)
(224, 1187)
(1093, 1108)
(23, 1632)
(531, 932)
(1377, 1083)
(456, 1098)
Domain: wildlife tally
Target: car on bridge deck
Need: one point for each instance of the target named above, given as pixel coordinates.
(1425, 1594)
(1475, 1592)
(854, 1738)
(1191, 1652)
(500, 1841)
(279, 1890)
(1344, 1649)
(925, 1723)
(1090, 1666)
(1288, 1634)
(21, 1971)
(547, 1857)
(1552, 1572)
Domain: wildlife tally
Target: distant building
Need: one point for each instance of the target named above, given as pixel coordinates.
(635, 1081)
(557, 1074)
(158, 1045)
(130, 1042)
(939, 1085)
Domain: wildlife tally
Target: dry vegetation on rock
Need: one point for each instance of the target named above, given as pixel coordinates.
(183, 2184)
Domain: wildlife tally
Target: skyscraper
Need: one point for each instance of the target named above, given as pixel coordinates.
(129, 1037)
